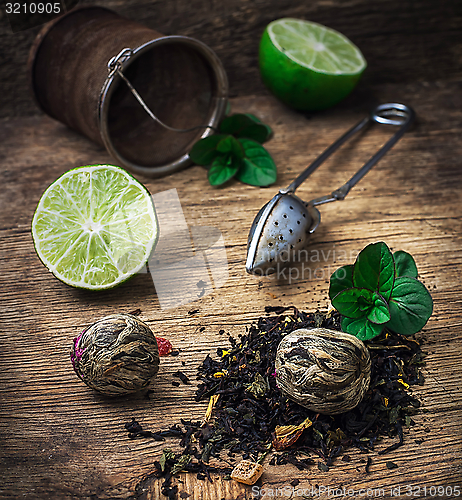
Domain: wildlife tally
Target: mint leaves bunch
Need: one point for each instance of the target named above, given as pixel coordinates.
(237, 151)
(380, 290)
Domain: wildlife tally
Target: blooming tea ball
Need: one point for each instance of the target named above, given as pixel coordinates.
(117, 355)
(323, 370)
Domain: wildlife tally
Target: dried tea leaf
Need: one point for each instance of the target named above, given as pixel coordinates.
(249, 417)
(335, 437)
(229, 430)
(286, 435)
(318, 434)
(181, 464)
(257, 358)
(394, 414)
(208, 413)
(230, 444)
(167, 454)
(258, 387)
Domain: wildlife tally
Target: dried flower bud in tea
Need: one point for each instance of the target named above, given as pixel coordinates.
(117, 355)
(165, 346)
(323, 370)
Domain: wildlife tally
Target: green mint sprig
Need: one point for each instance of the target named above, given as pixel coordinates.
(237, 151)
(380, 290)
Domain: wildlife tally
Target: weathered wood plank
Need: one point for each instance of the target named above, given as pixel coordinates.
(402, 41)
(60, 440)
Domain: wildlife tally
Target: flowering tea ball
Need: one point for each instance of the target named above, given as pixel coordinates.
(116, 355)
(323, 370)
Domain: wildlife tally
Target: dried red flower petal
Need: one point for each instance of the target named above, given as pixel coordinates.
(164, 345)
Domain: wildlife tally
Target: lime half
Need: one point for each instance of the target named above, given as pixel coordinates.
(95, 227)
(308, 66)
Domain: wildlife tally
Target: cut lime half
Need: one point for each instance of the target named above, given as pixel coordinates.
(95, 227)
(308, 66)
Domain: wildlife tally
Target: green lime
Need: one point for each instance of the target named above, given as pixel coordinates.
(308, 66)
(95, 227)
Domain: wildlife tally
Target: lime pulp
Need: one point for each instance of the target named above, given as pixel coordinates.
(95, 227)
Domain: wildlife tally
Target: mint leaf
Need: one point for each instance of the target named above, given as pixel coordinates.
(258, 132)
(340, 280)
(361, 328)
(353, 302)
(253, 117)
(268, 130)
(223, 168)
(234, 123)
(405, 264)
(410, 306)
(230, 144)
(245, 126)
(379, 313)
(257, 168)
(374, 269)
(204, 151)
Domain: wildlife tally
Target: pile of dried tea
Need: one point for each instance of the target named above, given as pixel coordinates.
(247, 411)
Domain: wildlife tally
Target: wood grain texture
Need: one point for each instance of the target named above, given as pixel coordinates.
(60, 440)
(402, 41)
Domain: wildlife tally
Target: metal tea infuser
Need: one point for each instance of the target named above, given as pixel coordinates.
(283, 226)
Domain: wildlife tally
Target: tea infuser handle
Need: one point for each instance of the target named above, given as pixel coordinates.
(323, 157)
(387, 114)
(401, 115)
(115, 66)
(116, 63)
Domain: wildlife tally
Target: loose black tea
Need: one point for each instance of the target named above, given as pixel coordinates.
(182, 377)
(249, 412)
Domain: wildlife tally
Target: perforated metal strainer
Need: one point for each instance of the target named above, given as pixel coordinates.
(283, 226)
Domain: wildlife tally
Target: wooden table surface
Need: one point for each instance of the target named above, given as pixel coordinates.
(60, 440)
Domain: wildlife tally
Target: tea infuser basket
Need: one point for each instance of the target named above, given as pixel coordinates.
(75, 68)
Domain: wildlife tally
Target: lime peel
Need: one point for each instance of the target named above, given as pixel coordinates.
(95, 227)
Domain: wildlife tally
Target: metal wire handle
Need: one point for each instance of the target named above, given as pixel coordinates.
(115, 66)
(387, 114)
